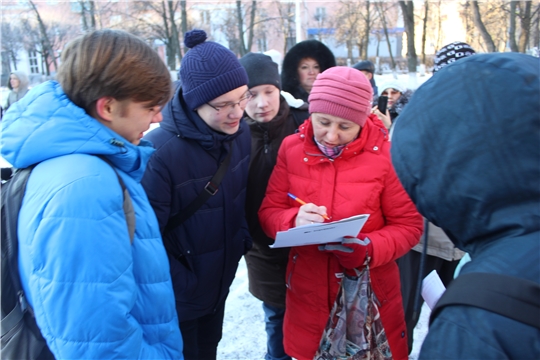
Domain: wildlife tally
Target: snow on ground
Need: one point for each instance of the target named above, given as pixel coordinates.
(244, 337)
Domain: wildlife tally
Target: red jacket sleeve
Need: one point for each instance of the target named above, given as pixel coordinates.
(404, 225)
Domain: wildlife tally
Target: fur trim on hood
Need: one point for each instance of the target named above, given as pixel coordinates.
(309, 48)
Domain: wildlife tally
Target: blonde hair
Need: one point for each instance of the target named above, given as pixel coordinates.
(113, 63)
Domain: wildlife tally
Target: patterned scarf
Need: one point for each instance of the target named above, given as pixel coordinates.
(331, 152)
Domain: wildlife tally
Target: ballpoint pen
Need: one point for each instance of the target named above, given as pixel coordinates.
(304, 203)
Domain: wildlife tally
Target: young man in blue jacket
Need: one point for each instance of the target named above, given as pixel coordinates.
(202, 127)
(95, 294)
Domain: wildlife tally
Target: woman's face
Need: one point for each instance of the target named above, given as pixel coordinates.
(308, 69)
(332, 131)
(393, 96)
(14, 81)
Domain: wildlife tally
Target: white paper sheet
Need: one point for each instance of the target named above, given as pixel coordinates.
(320, 233)
(432, 289)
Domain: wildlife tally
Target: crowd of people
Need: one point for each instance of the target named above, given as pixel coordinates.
(439, 169)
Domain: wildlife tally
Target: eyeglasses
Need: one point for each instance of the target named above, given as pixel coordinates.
(231, 105)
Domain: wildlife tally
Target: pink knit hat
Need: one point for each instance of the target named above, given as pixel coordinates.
(342, 91)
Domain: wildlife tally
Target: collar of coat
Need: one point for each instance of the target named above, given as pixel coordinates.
(372, 137)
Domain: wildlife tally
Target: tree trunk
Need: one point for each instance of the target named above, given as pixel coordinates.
(169, 44)
(424, 30)
(83, 15)
(240, 25)
(480, 26)
(512, 27)
(92, 15)
(174, 34)
(48, 51)
(525, 16)
(407, 7)
(251, 25)
(385, 29)
(183, 12)
(364, 54)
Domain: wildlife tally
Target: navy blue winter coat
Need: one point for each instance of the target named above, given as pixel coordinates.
(204, 251)
(470, 160)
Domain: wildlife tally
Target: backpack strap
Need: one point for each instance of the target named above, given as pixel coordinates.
(209, 190)
(509, 296)
(129, 211)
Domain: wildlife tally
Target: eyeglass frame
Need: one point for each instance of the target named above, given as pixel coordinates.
(233, 104)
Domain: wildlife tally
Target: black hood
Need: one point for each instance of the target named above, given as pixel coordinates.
(309, 48)
(467, 150)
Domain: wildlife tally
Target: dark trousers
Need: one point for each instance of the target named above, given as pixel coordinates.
(201, 336)
(409, 267)
(273, 319)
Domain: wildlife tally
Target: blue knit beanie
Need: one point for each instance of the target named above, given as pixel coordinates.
(208, 70)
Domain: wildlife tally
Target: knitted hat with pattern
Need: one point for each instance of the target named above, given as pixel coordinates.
(450, 53)
(208, 70)
(344, 92)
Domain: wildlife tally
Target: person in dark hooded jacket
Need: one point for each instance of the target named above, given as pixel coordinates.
(472, 168)
(441, 254)
(201, 126)
(301, 65)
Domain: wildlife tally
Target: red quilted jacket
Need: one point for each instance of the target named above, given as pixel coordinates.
(360, 181)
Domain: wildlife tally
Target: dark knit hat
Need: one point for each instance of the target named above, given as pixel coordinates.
(365, 65)
(208, 70)
(342, 91)
(261, 70)
(450, 53)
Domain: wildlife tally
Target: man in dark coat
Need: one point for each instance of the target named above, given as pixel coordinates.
(270, 121)
(367, 68)
(471, 165)
(201, 126)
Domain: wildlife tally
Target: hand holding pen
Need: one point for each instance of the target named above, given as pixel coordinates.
(309, 213)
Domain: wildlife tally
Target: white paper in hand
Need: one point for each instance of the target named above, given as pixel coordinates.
(432, 289)
(320, 233)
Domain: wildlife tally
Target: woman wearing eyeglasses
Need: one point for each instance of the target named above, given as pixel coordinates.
(202, 128)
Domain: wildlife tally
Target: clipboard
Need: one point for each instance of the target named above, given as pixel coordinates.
(320, 233)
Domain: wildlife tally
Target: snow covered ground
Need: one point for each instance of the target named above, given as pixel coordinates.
(244, 337)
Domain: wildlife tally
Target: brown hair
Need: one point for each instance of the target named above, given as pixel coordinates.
(113, 63)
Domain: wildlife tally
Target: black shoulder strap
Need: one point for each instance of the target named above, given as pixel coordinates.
(509, 296)
(129, 211)
(12, 198)
(210, 189)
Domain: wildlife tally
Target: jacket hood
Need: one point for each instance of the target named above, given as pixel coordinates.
(45, 124)
(309, 48)
(23, 81)
(470, 159)
(185, 123)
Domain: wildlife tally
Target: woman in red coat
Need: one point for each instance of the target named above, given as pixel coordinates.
(339, 163)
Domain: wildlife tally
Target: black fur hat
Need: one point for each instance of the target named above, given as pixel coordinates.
(308, 48)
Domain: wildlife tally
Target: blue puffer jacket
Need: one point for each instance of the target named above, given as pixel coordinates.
(471, 163)
(204, 251)
(95, 295)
